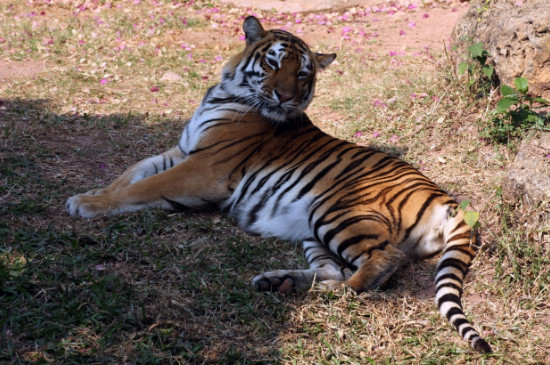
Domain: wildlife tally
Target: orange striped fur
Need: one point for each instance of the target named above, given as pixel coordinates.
(250, 150)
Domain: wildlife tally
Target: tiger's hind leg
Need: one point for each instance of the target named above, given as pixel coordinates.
(324, 265)
(143, 169)
(382, 262)
(376, 261)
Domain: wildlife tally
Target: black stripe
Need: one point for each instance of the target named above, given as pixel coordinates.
(460, 225)
(381, 246)
(459, 322)
(461, 249)
(421, 212)
(453, 311)
(329, 235)
(314, 180)
(321, 257)
(464, 235)
(353, 241)
(466, 329)
(449, 276)
(456, 263)
(449, 298)
(449, 285)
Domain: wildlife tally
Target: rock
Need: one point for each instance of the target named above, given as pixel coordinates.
(517, 36)
(171, 77)
(528, 179)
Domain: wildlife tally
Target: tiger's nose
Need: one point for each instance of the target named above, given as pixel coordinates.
(282, 96)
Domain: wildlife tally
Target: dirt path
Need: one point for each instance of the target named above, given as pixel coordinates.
(382, 26)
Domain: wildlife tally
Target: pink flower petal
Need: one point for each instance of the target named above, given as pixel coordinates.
(394, 138)
(103, 81)
(359, 134)
(154, 89)
(375, 135)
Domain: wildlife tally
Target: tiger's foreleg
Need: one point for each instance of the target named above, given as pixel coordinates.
(324, 265)
(190, 184)
(144, 168)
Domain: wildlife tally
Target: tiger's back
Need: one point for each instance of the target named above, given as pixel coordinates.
(252, 151)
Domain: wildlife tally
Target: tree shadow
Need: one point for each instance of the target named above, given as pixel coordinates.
(145, 287)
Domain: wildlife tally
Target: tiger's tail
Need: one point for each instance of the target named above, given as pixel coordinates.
(461, 245)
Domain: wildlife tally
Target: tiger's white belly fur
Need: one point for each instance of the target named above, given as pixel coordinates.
(267, 213)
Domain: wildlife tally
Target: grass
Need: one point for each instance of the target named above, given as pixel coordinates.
(154, 287)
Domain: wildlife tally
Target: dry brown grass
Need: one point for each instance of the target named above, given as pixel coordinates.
(158, 288)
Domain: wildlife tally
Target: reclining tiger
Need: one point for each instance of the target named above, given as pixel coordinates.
(250, 150)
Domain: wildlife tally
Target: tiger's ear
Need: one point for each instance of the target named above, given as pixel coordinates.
(253, 30)
(325, 59)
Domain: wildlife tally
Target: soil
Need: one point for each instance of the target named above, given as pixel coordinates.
(12, 70)
(399, 31)
(424, 27)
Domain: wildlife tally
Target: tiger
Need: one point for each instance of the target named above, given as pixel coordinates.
(251, 151)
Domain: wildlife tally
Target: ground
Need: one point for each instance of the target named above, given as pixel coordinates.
(87, 88)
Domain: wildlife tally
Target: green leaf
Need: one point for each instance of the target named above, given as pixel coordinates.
(464, 204)
(505, 103)
(520, 115)
(471, 218)
(462, 67)
(488, 70)
(476, 50)
(521, 84)
(542, 101)
(506, 90)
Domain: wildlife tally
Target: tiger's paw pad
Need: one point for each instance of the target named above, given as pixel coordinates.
(284, 285)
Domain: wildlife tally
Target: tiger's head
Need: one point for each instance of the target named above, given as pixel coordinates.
(275, 73)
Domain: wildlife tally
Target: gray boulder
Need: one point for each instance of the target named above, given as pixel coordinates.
(528, 178)
(517, 36)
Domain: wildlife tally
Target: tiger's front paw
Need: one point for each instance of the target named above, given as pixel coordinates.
(87, 206)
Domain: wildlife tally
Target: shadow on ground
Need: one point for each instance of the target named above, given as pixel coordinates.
(142, 288)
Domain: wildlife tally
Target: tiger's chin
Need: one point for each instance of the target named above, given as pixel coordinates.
(280, 115)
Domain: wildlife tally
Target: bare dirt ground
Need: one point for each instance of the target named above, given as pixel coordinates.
(394, 31)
